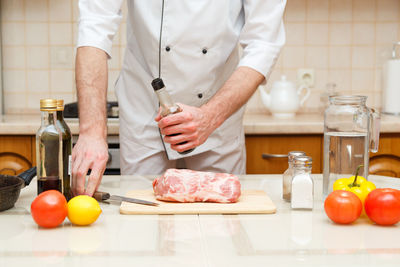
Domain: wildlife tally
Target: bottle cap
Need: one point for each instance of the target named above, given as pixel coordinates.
(305, 161)
(157, 84)
(293, 154)
(48, 104)
(60, 105)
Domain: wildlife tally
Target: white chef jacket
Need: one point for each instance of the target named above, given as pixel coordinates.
(199, 41)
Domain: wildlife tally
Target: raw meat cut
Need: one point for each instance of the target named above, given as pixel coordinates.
(183, 185)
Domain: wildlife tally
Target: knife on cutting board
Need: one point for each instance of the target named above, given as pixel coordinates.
(101, 196)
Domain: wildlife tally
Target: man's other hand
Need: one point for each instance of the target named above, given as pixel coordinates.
(90, 152)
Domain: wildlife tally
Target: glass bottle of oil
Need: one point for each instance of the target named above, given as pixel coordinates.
(48, 149)
(167, 105)
(66, 149)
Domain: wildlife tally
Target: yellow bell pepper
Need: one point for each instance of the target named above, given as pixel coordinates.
(356, 184)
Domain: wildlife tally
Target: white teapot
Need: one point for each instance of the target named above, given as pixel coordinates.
(284, 99)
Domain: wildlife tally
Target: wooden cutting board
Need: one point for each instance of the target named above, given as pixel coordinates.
(250, 202)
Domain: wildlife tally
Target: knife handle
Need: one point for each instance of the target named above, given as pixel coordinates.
(101, 196)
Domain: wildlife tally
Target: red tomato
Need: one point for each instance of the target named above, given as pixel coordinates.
(343, 206)
(49, 209)
(382, 206)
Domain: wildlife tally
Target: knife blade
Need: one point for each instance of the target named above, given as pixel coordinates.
(102, 196)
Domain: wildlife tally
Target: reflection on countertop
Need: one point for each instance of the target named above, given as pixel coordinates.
(307, 123)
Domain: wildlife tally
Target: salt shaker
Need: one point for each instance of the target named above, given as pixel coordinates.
(288, 175)
(302, 194)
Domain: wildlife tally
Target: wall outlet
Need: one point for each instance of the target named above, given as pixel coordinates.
(306, 77)
(61, 57)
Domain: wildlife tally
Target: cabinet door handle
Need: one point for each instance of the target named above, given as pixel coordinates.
(269, 156)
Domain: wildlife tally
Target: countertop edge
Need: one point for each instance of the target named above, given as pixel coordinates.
(254, 124)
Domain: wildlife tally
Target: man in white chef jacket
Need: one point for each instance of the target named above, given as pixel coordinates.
(192, 45)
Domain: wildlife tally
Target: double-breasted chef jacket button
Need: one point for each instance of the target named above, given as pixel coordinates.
(204, 51)
(167, 48)
(200, 95)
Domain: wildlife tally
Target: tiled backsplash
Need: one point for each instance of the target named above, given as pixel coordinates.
(343, 41)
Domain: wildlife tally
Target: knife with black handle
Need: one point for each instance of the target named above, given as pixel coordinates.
(102, 196)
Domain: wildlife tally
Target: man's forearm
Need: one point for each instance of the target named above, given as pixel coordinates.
(91, 83)
(233, 95)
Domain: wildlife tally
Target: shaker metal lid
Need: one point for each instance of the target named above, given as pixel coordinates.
(302, 161)
(293, 154)
(48, 104)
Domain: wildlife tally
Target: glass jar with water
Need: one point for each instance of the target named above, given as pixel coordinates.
(351, 131)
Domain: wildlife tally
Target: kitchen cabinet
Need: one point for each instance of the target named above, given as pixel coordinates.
(16, 154)
(385, 162)
(277, 145)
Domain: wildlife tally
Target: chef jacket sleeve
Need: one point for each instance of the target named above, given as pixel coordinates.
(98, 23)
(262, 35)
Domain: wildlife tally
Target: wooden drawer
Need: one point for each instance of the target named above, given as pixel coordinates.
(256, 145)
(387, 160)
(15, 154)
(389, 144)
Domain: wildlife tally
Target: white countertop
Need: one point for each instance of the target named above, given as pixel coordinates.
(287, 238)
(253, 124)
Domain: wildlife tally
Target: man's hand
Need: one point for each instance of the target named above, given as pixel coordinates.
(88, 153)
(192, 126)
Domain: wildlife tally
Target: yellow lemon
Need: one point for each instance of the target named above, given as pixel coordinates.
(83, 210)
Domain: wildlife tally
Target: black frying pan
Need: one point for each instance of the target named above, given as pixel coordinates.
(10, 187)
